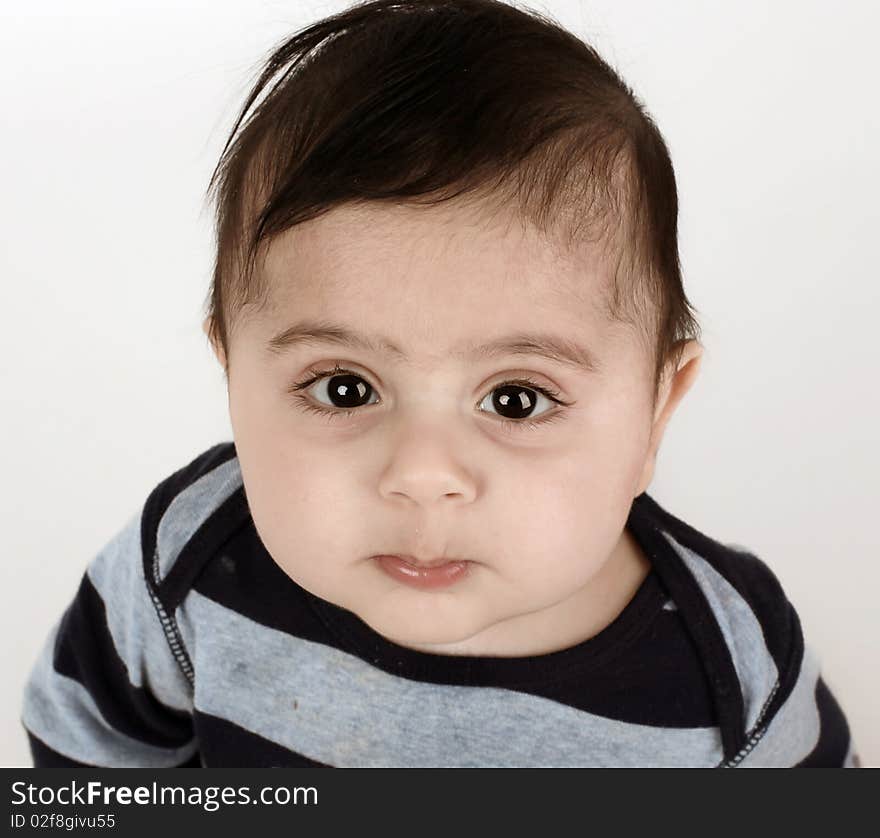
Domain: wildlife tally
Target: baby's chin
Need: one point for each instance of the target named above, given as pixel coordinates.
(437, 632)
(429, 621)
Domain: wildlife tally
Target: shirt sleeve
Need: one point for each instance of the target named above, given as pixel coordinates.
(799, 721)
(834, 746)
(808, 729)
(106, 689)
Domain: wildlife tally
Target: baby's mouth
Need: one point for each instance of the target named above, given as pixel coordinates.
(437, 573)
(420, 563)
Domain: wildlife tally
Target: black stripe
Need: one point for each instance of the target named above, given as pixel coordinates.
(45, 757)
(84, 650)
(226, 745)
(834, 736)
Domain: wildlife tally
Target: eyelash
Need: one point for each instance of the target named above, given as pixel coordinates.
(507, 424)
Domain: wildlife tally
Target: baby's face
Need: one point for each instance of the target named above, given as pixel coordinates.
(423, 464)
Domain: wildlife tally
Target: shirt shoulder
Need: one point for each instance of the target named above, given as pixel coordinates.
(113, 683)
(753, 642)
(740, 586)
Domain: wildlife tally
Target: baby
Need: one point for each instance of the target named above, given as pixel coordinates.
(448, 305)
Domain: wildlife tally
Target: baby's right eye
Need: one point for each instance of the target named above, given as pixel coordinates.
(345, 389)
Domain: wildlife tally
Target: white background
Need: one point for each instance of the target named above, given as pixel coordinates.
(113, 117)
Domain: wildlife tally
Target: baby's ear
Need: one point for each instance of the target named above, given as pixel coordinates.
(215, 348)
(676, 383)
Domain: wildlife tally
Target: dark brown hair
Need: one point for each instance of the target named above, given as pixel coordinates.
(423, 101)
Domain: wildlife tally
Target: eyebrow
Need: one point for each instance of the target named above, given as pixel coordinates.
(553, 348)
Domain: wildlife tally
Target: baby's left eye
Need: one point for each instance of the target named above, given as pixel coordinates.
(516, 401)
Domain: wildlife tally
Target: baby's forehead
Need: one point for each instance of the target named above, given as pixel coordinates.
(451, 219)
(436, 285)
(459, 244)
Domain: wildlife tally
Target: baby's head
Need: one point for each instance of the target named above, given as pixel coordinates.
(448, 303)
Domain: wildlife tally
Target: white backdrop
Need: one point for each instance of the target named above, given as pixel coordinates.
(114, 114)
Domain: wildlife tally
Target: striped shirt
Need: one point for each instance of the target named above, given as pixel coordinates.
(187, 645)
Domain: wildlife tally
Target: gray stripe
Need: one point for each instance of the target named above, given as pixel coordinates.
(742, 632)
(794, 731)
(60, 711)
(189, 510)
(118, 575)
(338, 709)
